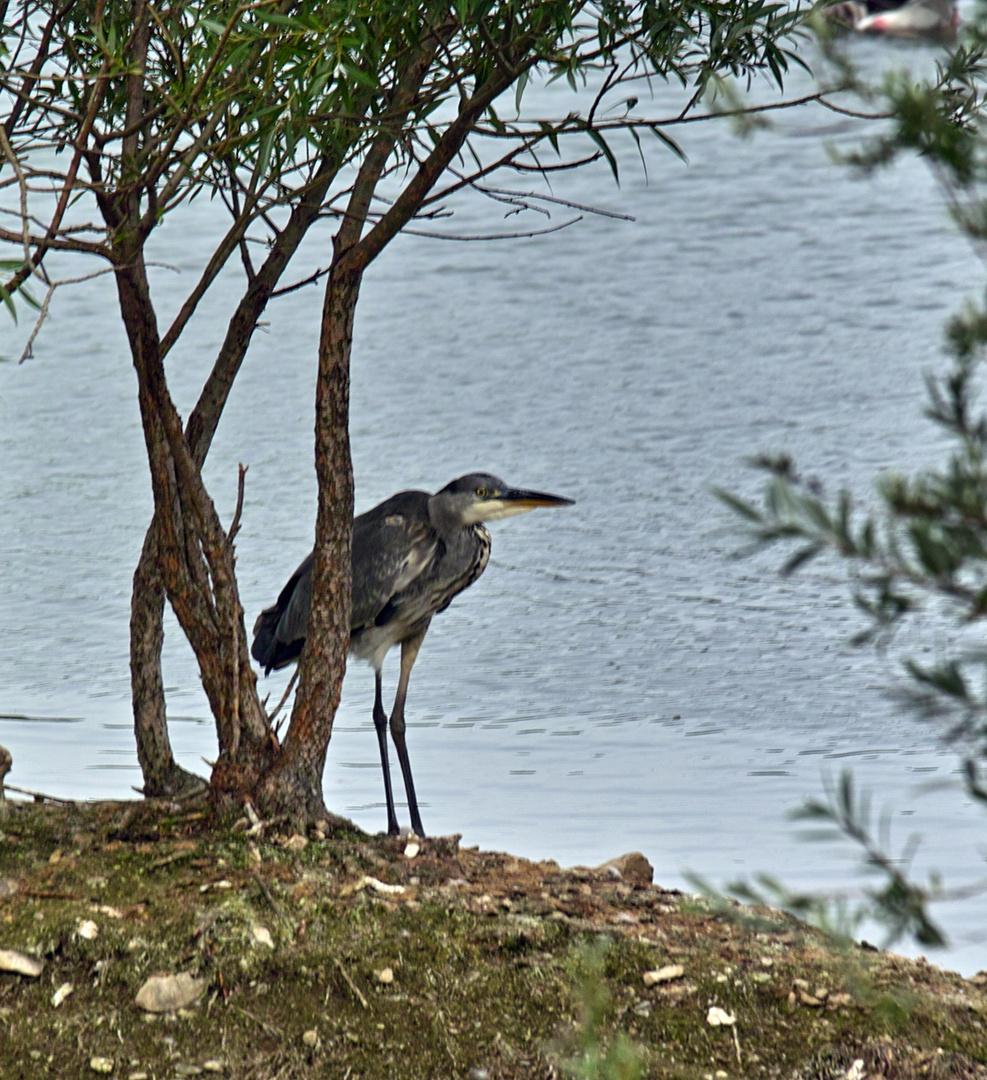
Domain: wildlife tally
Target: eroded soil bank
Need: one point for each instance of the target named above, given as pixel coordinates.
(344, 956)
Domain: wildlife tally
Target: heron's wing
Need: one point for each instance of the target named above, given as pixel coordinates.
(279, 632)
(392, 545)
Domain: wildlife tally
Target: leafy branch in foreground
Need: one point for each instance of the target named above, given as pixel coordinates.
(924, 546)
(899, 905)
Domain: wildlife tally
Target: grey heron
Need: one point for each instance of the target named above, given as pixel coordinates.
(412, 555)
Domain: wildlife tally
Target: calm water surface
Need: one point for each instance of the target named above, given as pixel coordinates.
(619, 678)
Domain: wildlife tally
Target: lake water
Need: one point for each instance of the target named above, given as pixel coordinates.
(619, 678)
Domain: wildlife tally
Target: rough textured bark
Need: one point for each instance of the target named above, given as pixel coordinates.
(296, 779)
(162, 774)
(5, 763)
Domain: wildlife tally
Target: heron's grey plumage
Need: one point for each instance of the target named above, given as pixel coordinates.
(412, 554)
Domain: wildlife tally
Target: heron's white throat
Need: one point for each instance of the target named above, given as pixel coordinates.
(494, 510)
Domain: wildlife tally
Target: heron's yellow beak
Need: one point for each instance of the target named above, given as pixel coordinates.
(514, 501)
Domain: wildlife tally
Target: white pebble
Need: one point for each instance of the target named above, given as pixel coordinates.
(262, 936)
(664, 974)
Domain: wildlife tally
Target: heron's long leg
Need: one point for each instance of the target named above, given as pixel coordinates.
(380, 723)
(409, 653)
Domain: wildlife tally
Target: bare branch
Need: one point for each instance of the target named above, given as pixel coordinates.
(495, 236)
(235, 524)
(568, 203)
(22, 184)
(310, 280)
(284, 698)
(43, 313)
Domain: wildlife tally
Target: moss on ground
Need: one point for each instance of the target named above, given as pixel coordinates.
(342, 957)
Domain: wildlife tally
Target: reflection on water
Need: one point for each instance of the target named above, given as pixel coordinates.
(619, 678)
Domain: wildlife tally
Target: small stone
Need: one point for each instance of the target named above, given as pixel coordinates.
(138, 1076)
(184, 1069)
(87, 929)
(664, 974)
(643, 1007)
(223, 884)
(213, 1065)
(717, 1017)
(385, 975)
(55, 857)
(110, 912)
(856, 1070)
(262, 936)
(19, 964)
(381, 886)
(721, 1074)
(311, 1038)
(766, 961)
(101, 1064)
(633, 867)
(296, 843)
(61, 994)
(168, 993)
(808, 999)
(411, 849)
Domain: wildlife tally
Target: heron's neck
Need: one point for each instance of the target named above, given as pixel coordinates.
(444, 520)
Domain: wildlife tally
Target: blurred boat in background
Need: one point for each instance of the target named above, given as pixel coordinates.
(931, 19)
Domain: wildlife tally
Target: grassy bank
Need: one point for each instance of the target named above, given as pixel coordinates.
(346, 956)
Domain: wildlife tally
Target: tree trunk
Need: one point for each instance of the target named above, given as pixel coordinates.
(195, 557)
(162, 775)
(147, 602)
(296, 779)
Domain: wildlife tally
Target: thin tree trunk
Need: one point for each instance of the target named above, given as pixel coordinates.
(162, 774)
(296, 779)
(195, 555)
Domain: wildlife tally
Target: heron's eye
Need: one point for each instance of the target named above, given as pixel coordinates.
(481, 493)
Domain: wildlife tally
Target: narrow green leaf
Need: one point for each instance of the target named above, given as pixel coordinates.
(738, 505)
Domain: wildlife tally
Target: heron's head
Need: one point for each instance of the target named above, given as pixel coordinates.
(481, 497)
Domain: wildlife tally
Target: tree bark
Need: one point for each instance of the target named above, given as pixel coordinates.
(6, 761)
(296, 779)
(162, 774)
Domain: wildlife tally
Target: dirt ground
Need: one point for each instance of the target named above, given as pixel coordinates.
(345, 956)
